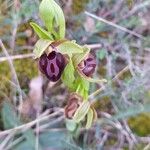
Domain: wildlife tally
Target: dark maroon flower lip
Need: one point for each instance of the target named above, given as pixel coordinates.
(52, 65)
(43, 63)
(88, 65)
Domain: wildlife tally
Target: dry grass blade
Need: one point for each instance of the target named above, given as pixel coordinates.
(6, 140)
(13, 71)
(114, 25)
(30, 124)
(115, 78)
(37, 133)
(21, 56)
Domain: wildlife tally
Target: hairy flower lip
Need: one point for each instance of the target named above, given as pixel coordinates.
(52, 65)
(88, 65)
(43, 62)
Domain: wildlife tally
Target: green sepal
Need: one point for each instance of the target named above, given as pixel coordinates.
(69, 48)
(68, 75)
(41, 46)
(43, 34)
(81, 111)
(92, 79)
(77, 58)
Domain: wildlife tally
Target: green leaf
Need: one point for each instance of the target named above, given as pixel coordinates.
(90, 116)
(53, 139)
(77, 58)
(30, 137)
(132, 111)
(11, 120)
(9, 116)
(69, 47)
(53, 17)
(40, 46)
(68, 75)
(24, 145)
(43, 34)
(81, 111)
(57, 139)
(71, 125)
(27, 143)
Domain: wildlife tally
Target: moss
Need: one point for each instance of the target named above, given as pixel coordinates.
(20, 41)
(26, 69)
(78, 6)
(111, 141)
(103, 104)
(140, 124)
(102, 70)
(4, 76)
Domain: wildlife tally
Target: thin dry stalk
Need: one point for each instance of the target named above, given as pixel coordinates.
(13, 71)
(114, 79)
(30, 124)
(21, 56)
(114, 25)
(37, 133)
(30, 55)
(6, 140)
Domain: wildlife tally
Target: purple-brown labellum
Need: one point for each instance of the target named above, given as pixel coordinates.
(72, 105)
(43, 63)
(52, 65)
(88, 65)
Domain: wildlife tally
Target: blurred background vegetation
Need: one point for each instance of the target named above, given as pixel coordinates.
(123, 106)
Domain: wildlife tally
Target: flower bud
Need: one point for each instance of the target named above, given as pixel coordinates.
(72, 105)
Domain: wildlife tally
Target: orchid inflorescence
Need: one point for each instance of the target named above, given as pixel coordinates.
(65, 60)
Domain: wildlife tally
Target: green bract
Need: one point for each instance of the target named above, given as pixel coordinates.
(43, 34)
(53, 18)
(90, 116)
(68, 75)
(81, 111)
(53, 39)
(82, 86)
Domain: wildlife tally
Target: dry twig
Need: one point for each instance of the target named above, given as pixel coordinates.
(114, 25)
(30, 124)
(114, 79)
